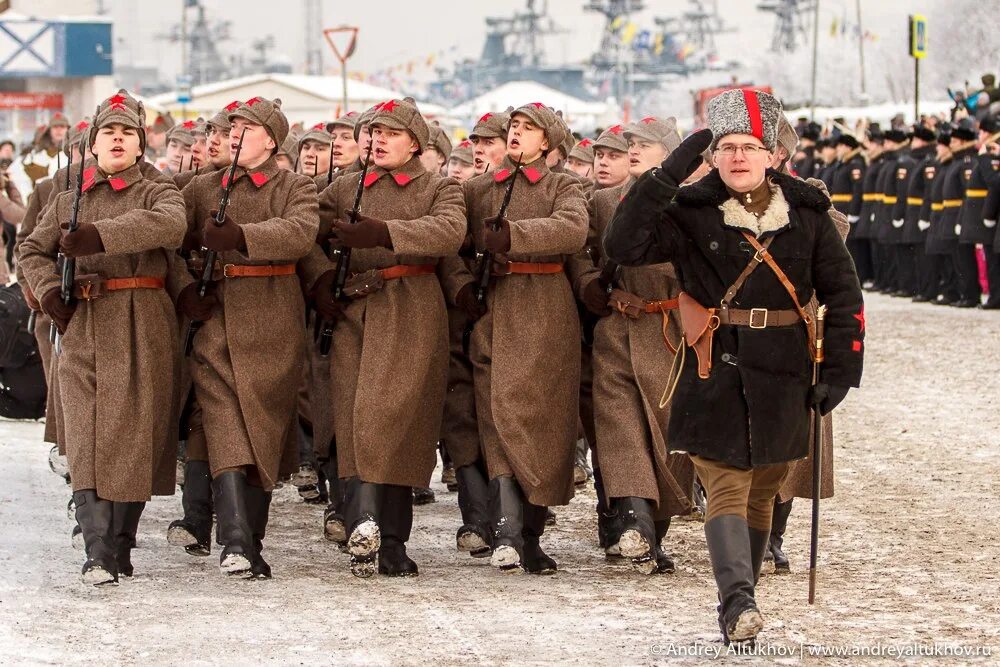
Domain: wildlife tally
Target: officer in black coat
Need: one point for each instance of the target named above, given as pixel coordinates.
(912, 264)
(896, 168)
(741, 405)
(991, 211)
(806, 163)
(937, 247)
(959, 174)
(980, 174)
(861, 240)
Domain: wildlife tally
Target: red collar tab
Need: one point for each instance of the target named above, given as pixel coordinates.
(389, 106)
(501, 175)
(232, 106)
(259, 178)
(402, 180)
(116, 102)
(117, 183)
(617, 129)
(532, 174)
(89, 178)
(371, 178)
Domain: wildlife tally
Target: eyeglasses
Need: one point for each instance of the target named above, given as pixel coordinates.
(749, 150)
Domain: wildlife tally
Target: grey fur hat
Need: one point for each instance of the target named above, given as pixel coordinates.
(744, 111)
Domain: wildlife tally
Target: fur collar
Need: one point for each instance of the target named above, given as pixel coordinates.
(711, 191)
(773, 219)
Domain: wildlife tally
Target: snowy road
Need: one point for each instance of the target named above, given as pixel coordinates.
(910, 553)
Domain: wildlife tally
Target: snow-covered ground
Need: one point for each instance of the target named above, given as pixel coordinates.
(909, 554)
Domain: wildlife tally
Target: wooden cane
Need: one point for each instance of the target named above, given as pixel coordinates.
(817, 458)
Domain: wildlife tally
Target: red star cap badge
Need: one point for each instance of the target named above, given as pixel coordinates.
(188, 124)
(232, 106)
(648, 119)
(465, 144)
(617, 129)
(254, 100)
(389, 106)
(585, 142)
(319, 126)
(538, 105)
(485, 117)
(82, 125)
(116, 102)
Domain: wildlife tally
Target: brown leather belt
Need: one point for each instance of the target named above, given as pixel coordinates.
(758, 318)
(257, 271)
(660, 306)
(407, 271)
(527, 267)
(92, 286)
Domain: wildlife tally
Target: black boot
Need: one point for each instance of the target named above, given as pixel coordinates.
(96, 519)
(507, 510)
(448, 472)
(778, 522)
(473, 501)
(396, 522)
(258, 510)
(126, 524)
(423, 496)
(664, 564)
(194, 531)
(609, 525)
(638, 538)
(535, 561)
(333, 516)
(234, 533)
(728, 539)
(365, 536)
(758, 547)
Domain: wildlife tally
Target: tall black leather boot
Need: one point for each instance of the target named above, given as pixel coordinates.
(507, 511)
(396, 522)
(664, 564)
(535, 561)
(126, 524)
(230, 492)
(638, 538)
(258, 511)
(194, 531)
(728, 538)
(609, 525)
(779, 520)
(365, 537)
(96, 519)
(475, 535)
(333, 516)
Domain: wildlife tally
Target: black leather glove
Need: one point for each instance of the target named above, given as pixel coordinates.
(367, 232)
(467, 302)
(53, 306)
(220, 238)
(497, 241)
(86, 240)
(595, 297)
(684, 160)
(329, 308)
(194, 307)
(827, 396)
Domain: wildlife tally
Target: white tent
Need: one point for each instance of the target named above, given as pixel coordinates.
(581, 115)
(304, 98)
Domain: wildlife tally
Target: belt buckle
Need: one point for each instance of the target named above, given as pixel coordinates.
(759, 256)
(754, 312)
(225, 270)
(89, 289)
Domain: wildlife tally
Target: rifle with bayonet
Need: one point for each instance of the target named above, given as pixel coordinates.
(69, 263)
(344, 256)
(208, 269)
(485, 267)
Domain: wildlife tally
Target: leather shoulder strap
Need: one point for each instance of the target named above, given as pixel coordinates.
(782, 278)
(755, 261)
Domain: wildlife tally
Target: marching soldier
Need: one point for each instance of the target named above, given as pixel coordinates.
(344, 144)
(581, 159)
(805, 163)
(979, 175)
(438, 151)
(461, 164)
(180, 139)
(215, 151)
(611, 161)
(247, 367)
(313, 154)
(287, 156)
(912, 264)
(118, 420)
(156, 137)
(489, 141)
(635, 474)
(528, 429)
(388, 379)
(715, 229)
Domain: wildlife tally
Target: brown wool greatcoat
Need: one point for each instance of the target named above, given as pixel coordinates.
(389, 358)
(118, 369)
(631, 365)
(247, 359)
(525, 350)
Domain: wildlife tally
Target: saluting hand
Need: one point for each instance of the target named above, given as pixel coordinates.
(224, 237)
(86, 240)
(367, 232)
(685, 159)
(496, 241)
(53, 306)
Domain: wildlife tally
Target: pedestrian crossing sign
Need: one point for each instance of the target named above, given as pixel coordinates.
(918, 36)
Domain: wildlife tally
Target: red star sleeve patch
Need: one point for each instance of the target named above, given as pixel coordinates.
(860, 317)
